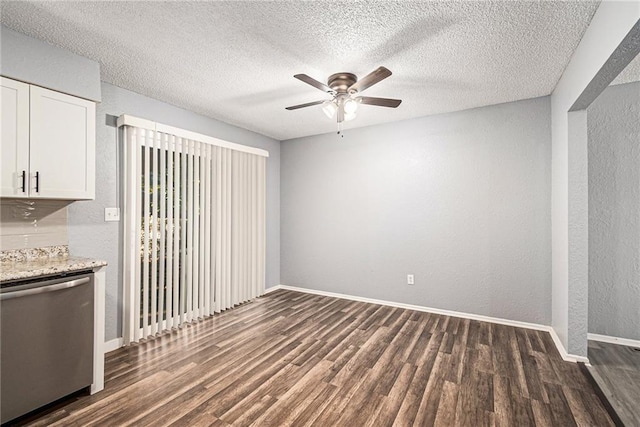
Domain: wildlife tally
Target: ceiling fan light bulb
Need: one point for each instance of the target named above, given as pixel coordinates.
(350, 106)
(349, 116)
(329, 108)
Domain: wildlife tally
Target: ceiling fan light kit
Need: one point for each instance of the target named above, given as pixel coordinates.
(329, 107)
(350, 106)
(344, 89)
(346, 103)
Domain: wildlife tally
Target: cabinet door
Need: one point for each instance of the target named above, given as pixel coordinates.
(14, 152)
(62, 150)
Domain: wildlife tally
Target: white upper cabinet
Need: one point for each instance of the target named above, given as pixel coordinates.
(62, 149)
(14, 146)
(59, 146)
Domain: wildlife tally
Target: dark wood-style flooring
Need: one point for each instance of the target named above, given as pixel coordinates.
(616, 369)
(297, 359)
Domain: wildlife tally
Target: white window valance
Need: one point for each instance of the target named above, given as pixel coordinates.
(129, 120)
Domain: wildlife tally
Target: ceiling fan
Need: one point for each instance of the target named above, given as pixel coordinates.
(345, 89)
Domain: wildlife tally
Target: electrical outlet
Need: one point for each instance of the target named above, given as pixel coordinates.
(111, 214)
(410, 279)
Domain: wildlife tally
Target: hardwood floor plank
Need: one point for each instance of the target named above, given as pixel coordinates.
(502, 398)
(541, 414)
(535, 341)
(433, 391)
(506, 353)
(227, 370)
(522, 411)
(458, 352)
(377, 318)
(388, 410)
(428, 355)
(476, 386)
(485, 334)
(389, 365)
(413, 398)
(533, 379)
(344, 393)
(485, 358)
(580, 412)
(100, 410)
(545, 369)
(572, 372)
(446, 346)
(596, 410)
(299, 359)
(296, 399)
(235, 391)
(560, 411)
(446, 414)
(363, 403)
(420, 345)
(316, 407)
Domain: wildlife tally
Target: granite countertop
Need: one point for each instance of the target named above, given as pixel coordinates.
(38, 262)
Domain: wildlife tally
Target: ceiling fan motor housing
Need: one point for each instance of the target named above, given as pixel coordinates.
(340, 82)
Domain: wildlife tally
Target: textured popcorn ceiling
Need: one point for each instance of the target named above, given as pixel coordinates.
(234, 61)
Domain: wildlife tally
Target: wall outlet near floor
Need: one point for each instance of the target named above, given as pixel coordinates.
(111, 214)
(410, 279)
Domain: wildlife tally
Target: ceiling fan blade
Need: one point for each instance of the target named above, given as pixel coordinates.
(370, 79)
(380, 102)
(308, 104)
(313, 82)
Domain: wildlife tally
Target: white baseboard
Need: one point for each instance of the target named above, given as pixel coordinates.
(614, 340)
(516, 323)
(113, 344)
(479, 317)
(563, 352)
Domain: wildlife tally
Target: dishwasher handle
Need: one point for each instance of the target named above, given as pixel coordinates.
(43, 289)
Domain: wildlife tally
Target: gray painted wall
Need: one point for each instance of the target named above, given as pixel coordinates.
(90, 236)
(614, 212)
(33, 61)
(460, 200)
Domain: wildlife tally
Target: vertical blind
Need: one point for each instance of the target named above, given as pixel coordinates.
(194, 241)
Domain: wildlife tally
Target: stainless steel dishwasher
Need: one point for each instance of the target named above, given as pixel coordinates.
(46, 342)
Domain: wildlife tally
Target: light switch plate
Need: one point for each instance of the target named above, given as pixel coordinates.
(111, 214)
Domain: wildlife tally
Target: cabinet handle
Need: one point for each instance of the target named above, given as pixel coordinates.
(24, 181)
(37, 182)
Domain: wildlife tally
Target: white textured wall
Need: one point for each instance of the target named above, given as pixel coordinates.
(90, 236)
(460, 200)
(614, 212)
